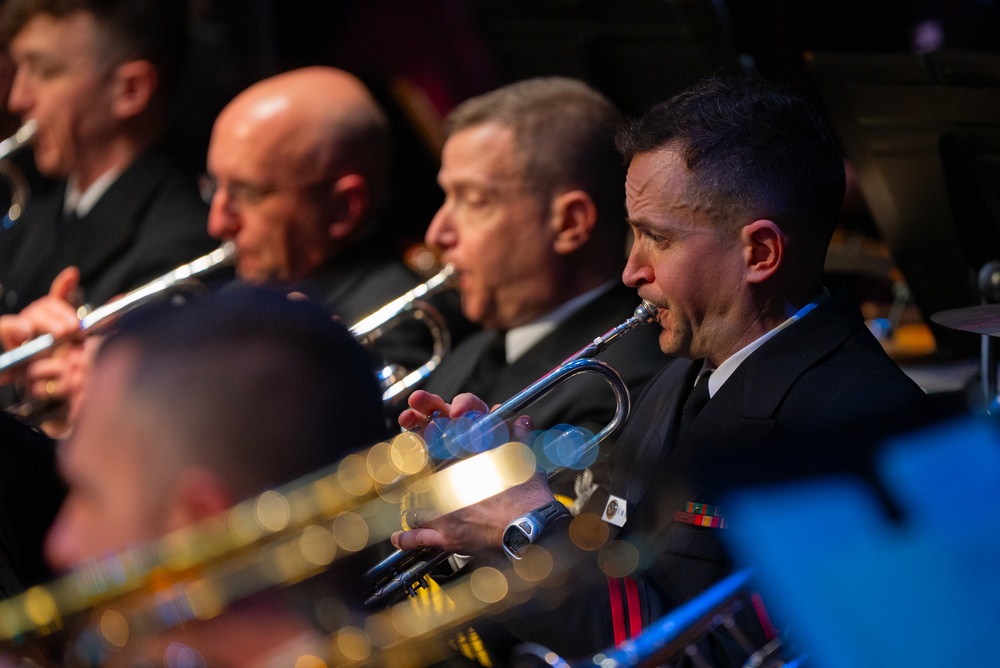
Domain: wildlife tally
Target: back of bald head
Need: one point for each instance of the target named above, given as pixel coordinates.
(321, 116)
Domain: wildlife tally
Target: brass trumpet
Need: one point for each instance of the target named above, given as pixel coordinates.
(100, 318)
(273, 540)
(11, 174)
(396, 382)
(404, 571)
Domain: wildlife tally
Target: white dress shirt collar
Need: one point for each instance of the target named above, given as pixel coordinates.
(726, 369)
(521, 339)
(82, 202)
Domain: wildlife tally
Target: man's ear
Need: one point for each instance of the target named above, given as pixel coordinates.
(134, 86)
(763, 249)
(198, 493)
(350, 197)
(574, 215)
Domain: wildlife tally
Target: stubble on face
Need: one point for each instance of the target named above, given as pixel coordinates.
(680, 261)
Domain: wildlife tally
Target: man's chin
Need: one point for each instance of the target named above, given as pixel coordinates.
(253, 276)
(668, 344)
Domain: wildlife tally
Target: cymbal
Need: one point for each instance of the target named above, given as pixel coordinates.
(982, 319)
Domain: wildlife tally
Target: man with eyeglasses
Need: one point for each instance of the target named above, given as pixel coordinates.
(297, 173)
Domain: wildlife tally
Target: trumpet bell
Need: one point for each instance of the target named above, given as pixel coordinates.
(395, 381)
(11, 175)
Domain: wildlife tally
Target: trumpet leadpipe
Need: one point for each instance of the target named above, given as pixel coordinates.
(373, 325)
(396, 382)
(18, 140)
(98, 319)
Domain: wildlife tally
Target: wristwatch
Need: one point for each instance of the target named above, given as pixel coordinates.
(526, 529)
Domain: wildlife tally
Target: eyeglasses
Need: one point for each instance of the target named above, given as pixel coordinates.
(242, 193)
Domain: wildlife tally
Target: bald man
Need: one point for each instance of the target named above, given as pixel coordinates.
(297, 170)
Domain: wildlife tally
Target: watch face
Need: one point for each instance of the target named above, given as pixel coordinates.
(516, 540)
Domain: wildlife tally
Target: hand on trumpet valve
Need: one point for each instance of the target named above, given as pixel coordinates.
(56, 384)
(51, 386)
(54, 314)
(477, 528)
(426, 407)
(462, 428)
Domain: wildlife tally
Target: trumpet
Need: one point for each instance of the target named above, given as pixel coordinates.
(396, 382)
(100, 318)
(18, 140)
(270, 541)
(11, 174)
(405, 571)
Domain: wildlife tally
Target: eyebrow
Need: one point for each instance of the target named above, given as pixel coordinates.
(642, 223)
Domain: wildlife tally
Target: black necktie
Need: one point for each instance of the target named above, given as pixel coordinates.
(695, 401)
(493, 360)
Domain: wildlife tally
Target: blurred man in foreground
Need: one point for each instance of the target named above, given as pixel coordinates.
(194, 408)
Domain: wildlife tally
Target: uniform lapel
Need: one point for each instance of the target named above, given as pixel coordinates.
(100, 237)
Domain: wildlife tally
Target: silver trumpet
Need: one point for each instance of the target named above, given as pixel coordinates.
(11, 174)
(99, 319)
(404, 571)
(395, 381)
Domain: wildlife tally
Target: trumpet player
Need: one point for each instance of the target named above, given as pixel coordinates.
(94, 77)
(532, 223)
(297, 174)
(732, 192)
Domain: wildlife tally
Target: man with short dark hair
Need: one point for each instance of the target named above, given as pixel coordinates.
(195, 408)
(95, 78)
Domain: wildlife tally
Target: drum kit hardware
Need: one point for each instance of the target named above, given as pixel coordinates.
(983, 319)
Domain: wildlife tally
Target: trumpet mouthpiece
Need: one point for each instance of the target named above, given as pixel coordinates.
(646, 311)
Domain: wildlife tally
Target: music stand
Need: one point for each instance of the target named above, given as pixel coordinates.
(910, 125)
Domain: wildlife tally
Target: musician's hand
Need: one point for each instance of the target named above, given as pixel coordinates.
(479, 527)
(52, 314)
(424, 405)
(59, 382)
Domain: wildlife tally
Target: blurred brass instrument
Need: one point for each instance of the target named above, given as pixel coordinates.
(270, 541)
(102, 317)
(397, 382)
(11, 174)
(404, 571)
